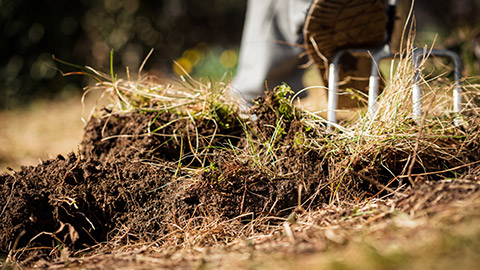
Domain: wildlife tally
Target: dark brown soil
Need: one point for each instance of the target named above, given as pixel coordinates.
(126, 182)
(268, 186)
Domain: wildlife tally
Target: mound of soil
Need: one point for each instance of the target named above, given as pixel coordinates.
(126, 182)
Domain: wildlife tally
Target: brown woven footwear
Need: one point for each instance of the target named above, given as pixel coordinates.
(332, 25)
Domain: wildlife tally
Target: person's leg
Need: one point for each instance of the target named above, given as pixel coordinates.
(268, 51)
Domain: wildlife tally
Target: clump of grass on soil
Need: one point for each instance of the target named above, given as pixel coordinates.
(169, 171)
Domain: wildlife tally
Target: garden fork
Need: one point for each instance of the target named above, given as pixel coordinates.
(379, 53)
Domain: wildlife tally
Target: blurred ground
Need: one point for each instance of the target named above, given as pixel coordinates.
(40, 131)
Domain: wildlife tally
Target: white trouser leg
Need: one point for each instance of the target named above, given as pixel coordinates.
(268, 51)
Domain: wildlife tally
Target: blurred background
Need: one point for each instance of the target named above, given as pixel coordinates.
(83, 32)
(40, 110)
(451, 24)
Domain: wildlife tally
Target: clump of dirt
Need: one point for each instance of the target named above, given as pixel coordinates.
(269, 184)
(122, 182)
(125, 180)
(92, 199)
(152, 136)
